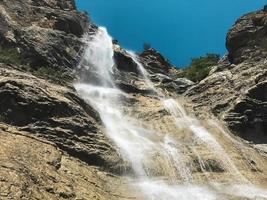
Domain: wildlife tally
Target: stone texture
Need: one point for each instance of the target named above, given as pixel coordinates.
(57, 114)
(247, 38)
(130, 78)
(124, 61)
(235, 90)
(248, 117)
(155, 62)
(32, 168)
(53, 144)
(45, 33)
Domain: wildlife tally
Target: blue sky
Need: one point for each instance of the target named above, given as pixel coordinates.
(179, 29)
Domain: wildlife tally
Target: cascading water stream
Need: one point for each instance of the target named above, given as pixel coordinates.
(145, 74)
(142, 148)
(202, 134)
(137, 145)
(184, 121)
(105, 98)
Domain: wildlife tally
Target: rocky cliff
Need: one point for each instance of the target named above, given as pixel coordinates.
(236, 89)
(47, 131)
(53, 143)
(45, 33)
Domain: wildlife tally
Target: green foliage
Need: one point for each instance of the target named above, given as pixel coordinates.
(56, 75)
(10, 56)
(200, 67)
(3, 117)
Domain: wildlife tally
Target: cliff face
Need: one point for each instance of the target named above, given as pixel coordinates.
(236, 89)
(47, 132)
(54, 146)
(32, 168)
(48, 34)
(43, 32)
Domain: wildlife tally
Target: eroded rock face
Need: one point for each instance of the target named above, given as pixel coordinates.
(69, 147)
(124, 61)
(247, 39)
(54, 146)
(46, 33)
(57, 114)
(248, 117)
(155, 62)
(62, 4)
(235, 90)
(32, 168)
(129, 75)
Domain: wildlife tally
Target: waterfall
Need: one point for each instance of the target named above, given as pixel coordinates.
(147, 150)
(184, 121)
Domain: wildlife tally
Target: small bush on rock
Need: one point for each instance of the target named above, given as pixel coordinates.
(200, 67)
(10, 56)
(55, 75)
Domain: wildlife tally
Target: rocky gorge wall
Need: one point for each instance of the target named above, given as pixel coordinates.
(40, 112)
(63, 152)
(236, 89)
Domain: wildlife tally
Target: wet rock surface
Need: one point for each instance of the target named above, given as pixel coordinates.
(57, 114)
(54, 145)
(131, 79)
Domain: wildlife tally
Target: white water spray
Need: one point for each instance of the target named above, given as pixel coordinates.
(139, 146)
(99, 52)
(184, 121)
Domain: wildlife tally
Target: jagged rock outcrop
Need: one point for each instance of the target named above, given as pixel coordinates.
(33, 168)
(247, 38)
(155, 62)
(45, 33)
(57, 114)
(124, 61)
(236, 89)
(53, 143)
(161, 72)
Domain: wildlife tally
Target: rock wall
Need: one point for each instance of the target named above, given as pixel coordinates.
(236, 89)
(54, 143)
(45, 33)
(54, 146)
(57, 114)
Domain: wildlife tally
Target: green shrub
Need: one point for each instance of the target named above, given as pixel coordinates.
(2, 117)
(200, 67)
(10, 56)
(55, 75)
